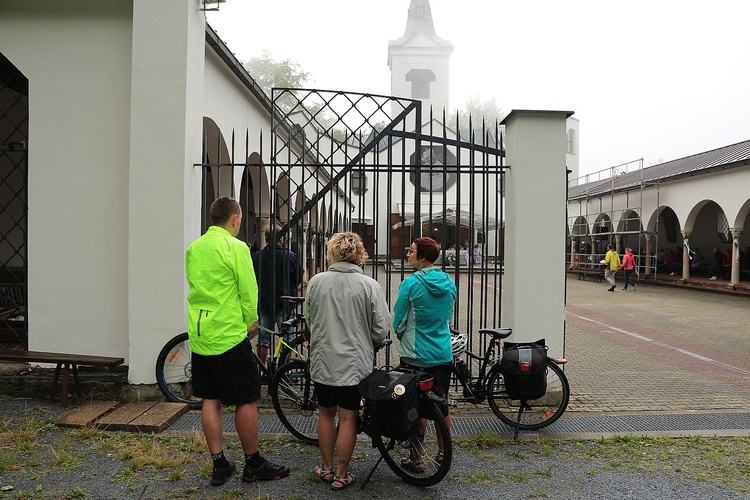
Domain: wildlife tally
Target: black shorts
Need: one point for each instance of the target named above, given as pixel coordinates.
(442, 383)
(346, 397)
(231, 377)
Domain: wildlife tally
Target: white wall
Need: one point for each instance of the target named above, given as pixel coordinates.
(115, 126)
(76, 56)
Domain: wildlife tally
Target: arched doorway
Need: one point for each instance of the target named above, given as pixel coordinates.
(14, 138)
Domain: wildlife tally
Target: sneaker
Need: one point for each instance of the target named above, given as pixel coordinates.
(221, 474)
(673, 274)
(266, 472)
(624, 289)
(713, 278)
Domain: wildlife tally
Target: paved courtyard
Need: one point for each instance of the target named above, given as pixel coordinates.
(657, 349)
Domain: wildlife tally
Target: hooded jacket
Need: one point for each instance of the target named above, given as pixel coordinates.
(223, 298)
(422, 315)
(612, 260)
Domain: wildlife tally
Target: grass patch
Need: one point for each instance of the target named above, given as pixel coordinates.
(65, 460)
(725, 461)
(74, 493)
(482, 439)
(482, 477)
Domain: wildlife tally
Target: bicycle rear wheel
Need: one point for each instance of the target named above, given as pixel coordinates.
(537, 413)
(293, 395)
(174, 372)
(434, 449)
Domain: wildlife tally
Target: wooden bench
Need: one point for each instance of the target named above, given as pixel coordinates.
(596, 274)
(64, 362)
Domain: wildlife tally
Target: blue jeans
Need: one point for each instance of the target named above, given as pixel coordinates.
(267, 321)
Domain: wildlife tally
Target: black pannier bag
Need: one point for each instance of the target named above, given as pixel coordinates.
(524, 367)
(393, 402)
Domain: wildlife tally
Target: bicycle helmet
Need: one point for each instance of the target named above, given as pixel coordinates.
(458, 344)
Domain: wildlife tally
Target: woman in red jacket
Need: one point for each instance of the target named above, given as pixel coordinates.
(628, 265)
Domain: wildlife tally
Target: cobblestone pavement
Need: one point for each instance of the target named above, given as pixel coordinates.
(656, 349)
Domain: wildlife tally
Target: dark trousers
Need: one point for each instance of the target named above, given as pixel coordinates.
(627, 279)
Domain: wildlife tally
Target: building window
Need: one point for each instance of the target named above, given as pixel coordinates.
(571, 141)
(359, 182)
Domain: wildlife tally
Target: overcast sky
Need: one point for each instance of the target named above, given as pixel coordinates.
(651, 79)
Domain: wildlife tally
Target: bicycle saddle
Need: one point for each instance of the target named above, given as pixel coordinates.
(497, 333)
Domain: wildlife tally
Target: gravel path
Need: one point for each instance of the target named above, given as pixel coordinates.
(65, 463)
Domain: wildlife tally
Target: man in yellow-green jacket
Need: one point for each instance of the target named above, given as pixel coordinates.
(612, 262)
(222, 307)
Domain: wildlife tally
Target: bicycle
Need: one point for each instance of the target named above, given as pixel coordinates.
(295, 402)
(174, 369)
(490, 385)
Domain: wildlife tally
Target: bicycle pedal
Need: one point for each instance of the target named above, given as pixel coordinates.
(452, 403)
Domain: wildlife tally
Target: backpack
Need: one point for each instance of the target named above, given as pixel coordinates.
(393, 402)
(524, 367)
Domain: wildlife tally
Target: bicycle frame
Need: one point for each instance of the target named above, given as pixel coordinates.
(476, 387)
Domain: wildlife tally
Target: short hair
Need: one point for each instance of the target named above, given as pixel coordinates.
(270, 233)
(222, 209)
(609, 247)
(628, 249)
(427, 249)
(346, 247)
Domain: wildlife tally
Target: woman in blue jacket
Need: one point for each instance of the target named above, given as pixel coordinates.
(421, 321)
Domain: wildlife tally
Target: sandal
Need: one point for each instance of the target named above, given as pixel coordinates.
(325, 475)
(345, 481)
(413, 465)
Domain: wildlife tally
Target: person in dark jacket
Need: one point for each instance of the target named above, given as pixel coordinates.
(279, 274)
(717, 265)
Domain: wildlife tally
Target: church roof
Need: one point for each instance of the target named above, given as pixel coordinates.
(419, 25)
(732, 156)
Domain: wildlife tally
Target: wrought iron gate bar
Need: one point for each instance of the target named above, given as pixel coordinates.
(345, 165)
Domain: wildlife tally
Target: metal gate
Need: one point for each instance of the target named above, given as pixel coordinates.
(14, 131)
(339, 162)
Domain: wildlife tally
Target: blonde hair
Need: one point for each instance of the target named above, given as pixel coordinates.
(346, 247)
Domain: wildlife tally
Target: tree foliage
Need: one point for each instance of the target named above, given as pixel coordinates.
(269, 72)
(470, 118)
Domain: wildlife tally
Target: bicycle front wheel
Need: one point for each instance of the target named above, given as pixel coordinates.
(174, 372)
(423, 460)
(537, 413)
(293, 395)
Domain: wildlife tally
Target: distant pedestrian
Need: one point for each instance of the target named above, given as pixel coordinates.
(611, 262)
(696, 262)
(717, 265)
(477, 255)
(628, 266)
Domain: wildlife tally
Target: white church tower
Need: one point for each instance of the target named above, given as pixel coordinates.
(419, 61)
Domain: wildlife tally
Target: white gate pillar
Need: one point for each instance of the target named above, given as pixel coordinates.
(535, 226)
(166, 86)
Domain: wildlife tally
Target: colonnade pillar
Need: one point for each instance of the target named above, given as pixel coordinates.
(647, 266)
(573, 251)
(685, 255)
(735, 256)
